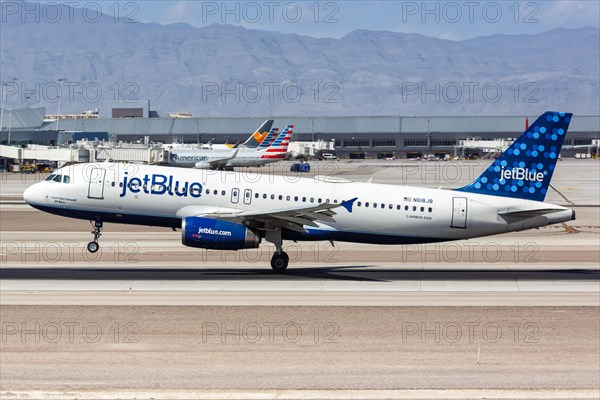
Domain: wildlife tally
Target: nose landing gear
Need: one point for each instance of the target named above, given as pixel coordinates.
(93, 246)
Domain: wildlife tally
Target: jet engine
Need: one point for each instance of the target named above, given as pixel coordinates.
(217, 234)
(202, 165)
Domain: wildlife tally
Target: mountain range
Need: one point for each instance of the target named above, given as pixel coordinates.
(227, 70)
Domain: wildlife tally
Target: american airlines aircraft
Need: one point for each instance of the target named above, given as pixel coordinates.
(232, 211)
(239, 157)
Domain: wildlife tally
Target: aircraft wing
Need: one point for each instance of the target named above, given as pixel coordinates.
(221, 162)
(294, 218)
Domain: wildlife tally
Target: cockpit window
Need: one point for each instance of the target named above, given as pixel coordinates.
(66, 179)
(51, 177)
(57, 178)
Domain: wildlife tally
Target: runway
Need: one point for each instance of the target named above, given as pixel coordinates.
(381, 285)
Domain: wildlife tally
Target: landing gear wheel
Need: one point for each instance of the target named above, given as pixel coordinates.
(93, 247)
(279, 261)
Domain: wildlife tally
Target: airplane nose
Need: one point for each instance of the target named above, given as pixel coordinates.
(29, 194)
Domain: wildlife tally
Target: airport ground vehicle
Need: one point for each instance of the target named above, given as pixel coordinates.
(300, 167)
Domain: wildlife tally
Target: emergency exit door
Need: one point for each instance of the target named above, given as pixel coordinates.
(459, 212)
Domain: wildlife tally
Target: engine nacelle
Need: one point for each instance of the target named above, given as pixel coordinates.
(202, 165)
(216, 234)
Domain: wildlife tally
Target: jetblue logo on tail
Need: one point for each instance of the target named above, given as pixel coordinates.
(523, 174)
(524, 170)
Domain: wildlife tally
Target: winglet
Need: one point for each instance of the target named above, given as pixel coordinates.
(234, 155)
(347, 204)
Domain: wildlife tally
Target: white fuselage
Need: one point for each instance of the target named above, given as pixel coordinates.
(387, 214)
(245, 157)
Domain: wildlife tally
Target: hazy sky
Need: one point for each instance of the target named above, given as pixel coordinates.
(456, 20)
(445, 19)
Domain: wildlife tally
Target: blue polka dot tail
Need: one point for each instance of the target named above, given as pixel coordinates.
(524, 170)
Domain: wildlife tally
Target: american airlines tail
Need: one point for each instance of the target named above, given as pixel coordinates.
(278, 149)
(524, 170)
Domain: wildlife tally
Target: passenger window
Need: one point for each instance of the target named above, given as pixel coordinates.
(272, 197)
(374, 205)
(216, 192)
(256, 195)
(367, 204)
(398, 207)
(120, 184)
(359, 204)
(264, 196)
(288, 198)
(320, 201)
(222, 193)
(312, 199)
(111, 184)
(304, 199)
(422, 209)
(414, 208)
(280, 197)
(405, 208)
(391, 206)
(207, 191)
(382, 205)
(430, 209)
(295, 198)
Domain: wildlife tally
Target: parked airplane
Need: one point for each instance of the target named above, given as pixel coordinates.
(220, 210)
(240, 157)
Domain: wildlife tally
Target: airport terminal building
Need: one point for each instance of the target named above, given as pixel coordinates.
(354, 136)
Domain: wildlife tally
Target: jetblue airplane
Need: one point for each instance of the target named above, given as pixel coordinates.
(225, 211)
(239, 157)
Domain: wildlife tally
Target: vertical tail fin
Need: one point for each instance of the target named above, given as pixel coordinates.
(268, 139)
(257, 137)
(278, 149)
(524, 170)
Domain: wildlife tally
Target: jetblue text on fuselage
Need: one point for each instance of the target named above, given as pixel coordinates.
(160, 185)
(522, 174)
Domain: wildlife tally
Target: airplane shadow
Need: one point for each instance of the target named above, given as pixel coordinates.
(360, 273)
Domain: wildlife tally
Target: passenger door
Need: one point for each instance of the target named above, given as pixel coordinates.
(96, 185)
(459, 212)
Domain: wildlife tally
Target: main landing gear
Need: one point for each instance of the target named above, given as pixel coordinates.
(280, 259)
(93, 246)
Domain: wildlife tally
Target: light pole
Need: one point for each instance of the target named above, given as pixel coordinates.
(4, 84)
(59, 99)
(12, 105)
(2, 107)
